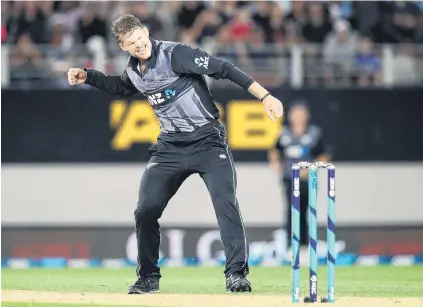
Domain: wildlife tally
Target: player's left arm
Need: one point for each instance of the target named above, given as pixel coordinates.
(188, 60)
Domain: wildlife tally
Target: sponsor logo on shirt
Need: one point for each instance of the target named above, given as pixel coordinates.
(160, 98)
(202, 62)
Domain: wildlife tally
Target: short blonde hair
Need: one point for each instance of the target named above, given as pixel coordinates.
(124, 25)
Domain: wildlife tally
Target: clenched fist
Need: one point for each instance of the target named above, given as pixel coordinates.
(77, 76)
(273, 107)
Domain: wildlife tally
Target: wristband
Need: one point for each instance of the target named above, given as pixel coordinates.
(264, 97)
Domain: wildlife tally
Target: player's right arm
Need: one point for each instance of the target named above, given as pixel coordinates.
(189, 60)
(119, 85)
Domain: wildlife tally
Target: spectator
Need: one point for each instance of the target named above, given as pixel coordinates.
(25, 60)
(241, 27)
(405, 18)
(207, 25)
(32, 22)
(240, 33)
(67, 13)
(188, 13)
(339, 50)
(91, 25)
(142, 11)
(367, 64)
(366, 15)
(384, 30)
(317, 27)
(263, 19)
(295, 21)
(61, 42)
(277, 23)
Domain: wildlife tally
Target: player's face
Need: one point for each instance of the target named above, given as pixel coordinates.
(137, 43)
(298, 115)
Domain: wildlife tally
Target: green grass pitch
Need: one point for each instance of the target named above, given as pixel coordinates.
(380, 281)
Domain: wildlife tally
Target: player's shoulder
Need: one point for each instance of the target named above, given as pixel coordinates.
(315, 130)
(169, 46)
(186, 48)
(166, 46)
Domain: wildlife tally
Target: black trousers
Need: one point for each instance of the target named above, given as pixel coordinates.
(287, 183)
(174, 158)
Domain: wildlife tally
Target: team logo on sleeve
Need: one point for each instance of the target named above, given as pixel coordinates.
(202, 62)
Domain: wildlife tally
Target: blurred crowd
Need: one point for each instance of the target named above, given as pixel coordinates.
(342, 39)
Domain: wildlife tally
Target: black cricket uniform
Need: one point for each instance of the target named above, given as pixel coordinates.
(191, 140)
(293, 149)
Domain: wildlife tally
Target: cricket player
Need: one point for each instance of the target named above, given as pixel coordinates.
(191, 141)
(298, 141)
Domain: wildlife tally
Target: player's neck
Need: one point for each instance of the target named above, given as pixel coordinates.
(143, 61)
(142, 64)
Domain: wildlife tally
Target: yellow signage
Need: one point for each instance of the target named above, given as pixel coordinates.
(134, 123)
(247, 125)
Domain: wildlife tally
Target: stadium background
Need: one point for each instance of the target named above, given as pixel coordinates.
(72, 157)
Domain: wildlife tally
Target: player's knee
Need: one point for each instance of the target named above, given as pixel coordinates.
(145, 213)
(148, 209)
